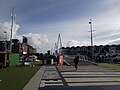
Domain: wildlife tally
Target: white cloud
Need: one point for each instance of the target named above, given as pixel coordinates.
(115, 41)
(36, 40)
(76, 43)
(6, 27)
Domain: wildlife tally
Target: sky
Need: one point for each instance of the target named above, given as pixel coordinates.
(41, 21)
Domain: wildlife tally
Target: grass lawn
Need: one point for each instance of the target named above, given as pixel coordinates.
(15, 78)
(109, 65)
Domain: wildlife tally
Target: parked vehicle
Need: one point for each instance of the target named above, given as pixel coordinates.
(32, 58)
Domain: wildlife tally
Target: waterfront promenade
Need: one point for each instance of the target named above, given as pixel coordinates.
(87, 77)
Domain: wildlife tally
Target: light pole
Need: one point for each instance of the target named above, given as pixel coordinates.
(12, 27)
(5, 40)
(91, 31)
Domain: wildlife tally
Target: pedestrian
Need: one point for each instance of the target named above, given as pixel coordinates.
(76, 60)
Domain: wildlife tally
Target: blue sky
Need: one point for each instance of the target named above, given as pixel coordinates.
(43, 20)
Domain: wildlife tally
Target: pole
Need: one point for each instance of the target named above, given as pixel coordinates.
(5, 40)
(59, 44)
(91, 30)
(12, 27)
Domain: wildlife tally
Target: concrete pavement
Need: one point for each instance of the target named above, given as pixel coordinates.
(66, 77)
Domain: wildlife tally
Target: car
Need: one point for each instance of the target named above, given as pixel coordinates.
(32, 58)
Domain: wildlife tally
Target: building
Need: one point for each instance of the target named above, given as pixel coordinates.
(103, 51)
(17, 47)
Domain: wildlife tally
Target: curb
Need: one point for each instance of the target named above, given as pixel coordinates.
(34, 83)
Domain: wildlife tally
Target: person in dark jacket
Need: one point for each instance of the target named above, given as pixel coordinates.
(76, 60)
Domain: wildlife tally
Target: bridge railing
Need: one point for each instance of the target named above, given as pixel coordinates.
(81, 57)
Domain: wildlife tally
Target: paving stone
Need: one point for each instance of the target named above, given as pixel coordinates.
(67, 76)
(93, 84)
(53, 85)
(92, 75)
(90, 79)
(51, 77)
(50, 83)
(89, 75)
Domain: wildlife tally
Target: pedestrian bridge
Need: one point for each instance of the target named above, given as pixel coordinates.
(83, 60)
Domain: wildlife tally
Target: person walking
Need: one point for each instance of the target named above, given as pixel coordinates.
(76, 60)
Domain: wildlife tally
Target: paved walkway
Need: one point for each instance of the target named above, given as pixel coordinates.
(67, 77)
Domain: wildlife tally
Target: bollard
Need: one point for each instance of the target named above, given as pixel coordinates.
(52, 62)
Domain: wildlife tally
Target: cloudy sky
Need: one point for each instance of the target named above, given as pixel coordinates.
(42, 20)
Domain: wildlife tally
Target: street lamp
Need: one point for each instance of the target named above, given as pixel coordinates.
(91, 31)
(5, 40)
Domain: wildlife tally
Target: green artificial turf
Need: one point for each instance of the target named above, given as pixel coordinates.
(15, 78)
(109, 65)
